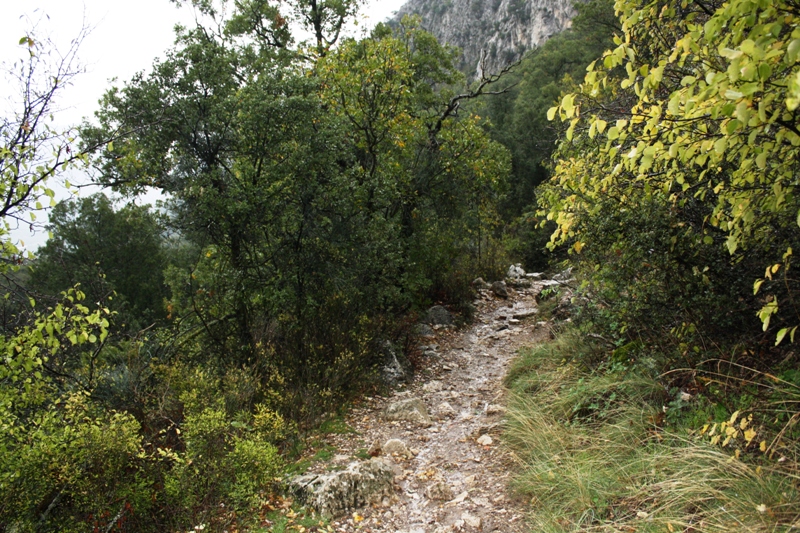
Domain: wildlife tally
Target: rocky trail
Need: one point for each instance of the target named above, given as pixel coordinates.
(438, 465)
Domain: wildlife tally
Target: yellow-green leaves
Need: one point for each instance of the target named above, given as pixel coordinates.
(571, 130)
(793, 51)
(24, 353)
(568, 105)
(766, 312)
(757, 286)
(793, 97)
(710, 111)
(782, 334)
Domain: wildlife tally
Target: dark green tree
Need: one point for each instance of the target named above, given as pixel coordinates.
(111, 253)
(326, 189)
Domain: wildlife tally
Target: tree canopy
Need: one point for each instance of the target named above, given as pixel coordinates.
(320, 183)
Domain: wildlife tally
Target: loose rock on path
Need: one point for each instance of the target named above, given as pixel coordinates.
(450, 470)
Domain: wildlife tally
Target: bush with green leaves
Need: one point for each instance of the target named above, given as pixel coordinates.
(70, 463)
(227, 459)
(703, 118)
(65, 459)
(649, 278)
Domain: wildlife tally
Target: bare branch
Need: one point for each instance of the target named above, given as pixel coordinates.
(452, 107)
(31, 151)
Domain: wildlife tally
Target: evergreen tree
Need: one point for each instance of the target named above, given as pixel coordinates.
(109, 253)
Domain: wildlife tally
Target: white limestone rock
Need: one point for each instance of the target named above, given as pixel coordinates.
(338, 493)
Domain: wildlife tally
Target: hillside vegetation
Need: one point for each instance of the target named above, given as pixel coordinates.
(670, 402)
(162, 367)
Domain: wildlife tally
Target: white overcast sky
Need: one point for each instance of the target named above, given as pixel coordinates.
(126, 37)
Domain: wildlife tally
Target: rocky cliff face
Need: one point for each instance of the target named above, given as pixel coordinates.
(499, 30)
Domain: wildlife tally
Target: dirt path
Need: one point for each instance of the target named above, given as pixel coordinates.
(456, 476)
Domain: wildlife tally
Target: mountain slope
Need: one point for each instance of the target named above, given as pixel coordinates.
(499, 30)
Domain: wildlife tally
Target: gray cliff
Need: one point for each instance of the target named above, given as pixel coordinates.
(499, 30)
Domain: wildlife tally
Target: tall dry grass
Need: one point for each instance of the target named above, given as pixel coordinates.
(594, 456)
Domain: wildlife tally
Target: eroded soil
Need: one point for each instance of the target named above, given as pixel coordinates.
(456, 476)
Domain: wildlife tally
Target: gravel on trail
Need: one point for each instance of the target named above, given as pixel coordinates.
(453, 475)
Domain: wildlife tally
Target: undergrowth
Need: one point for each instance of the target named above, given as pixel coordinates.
(598, 451)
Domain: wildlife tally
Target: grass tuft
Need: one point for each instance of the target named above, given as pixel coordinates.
(594, 456)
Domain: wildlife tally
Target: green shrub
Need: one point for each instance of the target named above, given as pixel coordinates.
(651, 278)
(227, 460)
(70, 464)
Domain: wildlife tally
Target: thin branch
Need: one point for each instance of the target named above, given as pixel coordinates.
(452, 107)
(704, 8)
(116, 518)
